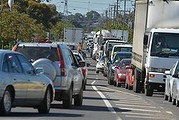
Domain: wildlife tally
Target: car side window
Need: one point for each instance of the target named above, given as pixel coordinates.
(13, 63)
(26, 65)
(5, 65)
(72, 58)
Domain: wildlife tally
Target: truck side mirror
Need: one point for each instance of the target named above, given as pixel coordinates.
(145, 40)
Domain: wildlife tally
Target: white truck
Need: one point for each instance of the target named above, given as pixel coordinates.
(154, 19)
(122, 34)
(73, 35)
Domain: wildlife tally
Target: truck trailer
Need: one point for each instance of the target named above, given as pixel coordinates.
(156, 24)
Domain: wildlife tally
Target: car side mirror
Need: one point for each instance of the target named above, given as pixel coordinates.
(175, 75)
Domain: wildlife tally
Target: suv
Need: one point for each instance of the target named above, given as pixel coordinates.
(60, 65)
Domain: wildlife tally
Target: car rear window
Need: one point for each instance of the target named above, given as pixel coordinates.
(34, 53)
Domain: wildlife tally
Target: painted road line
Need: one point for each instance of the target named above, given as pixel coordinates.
(143, 110)
(132, 103)
(169, 112)
(107, 103)
(145, 117)
(134, 113)
(138, 106)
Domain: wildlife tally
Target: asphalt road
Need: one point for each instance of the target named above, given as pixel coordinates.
(104, 102)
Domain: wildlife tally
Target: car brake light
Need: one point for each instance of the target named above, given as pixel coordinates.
(84, 70)
(62, 63)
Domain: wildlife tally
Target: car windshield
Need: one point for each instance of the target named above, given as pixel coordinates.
(165, 45)
(118, 57)
(34, 53)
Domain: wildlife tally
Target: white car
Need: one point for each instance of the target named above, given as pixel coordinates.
(121, 48)
(172, 85)
(100, 65)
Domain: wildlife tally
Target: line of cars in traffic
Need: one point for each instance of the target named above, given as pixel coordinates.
(36, 74)
(115, 64)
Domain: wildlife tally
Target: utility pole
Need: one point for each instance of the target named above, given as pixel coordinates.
(117, 10)
(124, 19)
(65, 12)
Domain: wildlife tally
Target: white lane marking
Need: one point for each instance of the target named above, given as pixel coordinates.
(145, 117)
(143, 110)
(127, 102)
(138, 106)
(107, 103)
(134, 113)
(169, 112)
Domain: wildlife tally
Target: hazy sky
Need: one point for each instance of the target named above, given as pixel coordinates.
(83, 6)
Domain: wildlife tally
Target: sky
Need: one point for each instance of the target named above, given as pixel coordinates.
(83, 6)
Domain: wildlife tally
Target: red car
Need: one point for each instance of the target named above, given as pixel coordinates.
(129, 78)
(120, 72)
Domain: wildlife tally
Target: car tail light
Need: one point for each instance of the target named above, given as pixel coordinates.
(62, 63)
(84, 70)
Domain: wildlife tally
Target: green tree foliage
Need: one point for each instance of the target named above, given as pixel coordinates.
(93, 15)
(43, 13)
(15, 26)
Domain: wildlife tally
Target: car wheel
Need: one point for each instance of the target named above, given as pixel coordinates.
(165, 97)
(126, 86)
(173, 101)
(78, 99)
(6, 103)
(48, 67)
(67, 103)
(177, 102)
(169, 98)
(97, 71)
(45, 105)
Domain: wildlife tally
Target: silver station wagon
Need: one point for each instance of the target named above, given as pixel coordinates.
(21, 85)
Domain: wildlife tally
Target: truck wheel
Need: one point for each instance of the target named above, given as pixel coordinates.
(149, 91)
(136, 85)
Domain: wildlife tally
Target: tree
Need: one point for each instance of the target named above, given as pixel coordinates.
(93, 15)
(15, 26)
(43, 13)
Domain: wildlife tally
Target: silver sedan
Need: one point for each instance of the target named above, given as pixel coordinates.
(22, 85)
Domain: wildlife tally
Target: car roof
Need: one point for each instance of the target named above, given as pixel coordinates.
(123, 45)
(42, 44)
(123, 53)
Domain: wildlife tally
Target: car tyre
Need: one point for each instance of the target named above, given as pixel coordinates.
(169, 98)
(173, 101)
(67, 103)
(149, 91)
(6, 103)
(45, 104)
(126, 86)
(165, 97)
(78, 99)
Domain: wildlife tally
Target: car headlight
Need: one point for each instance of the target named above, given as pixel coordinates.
(161, 70)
